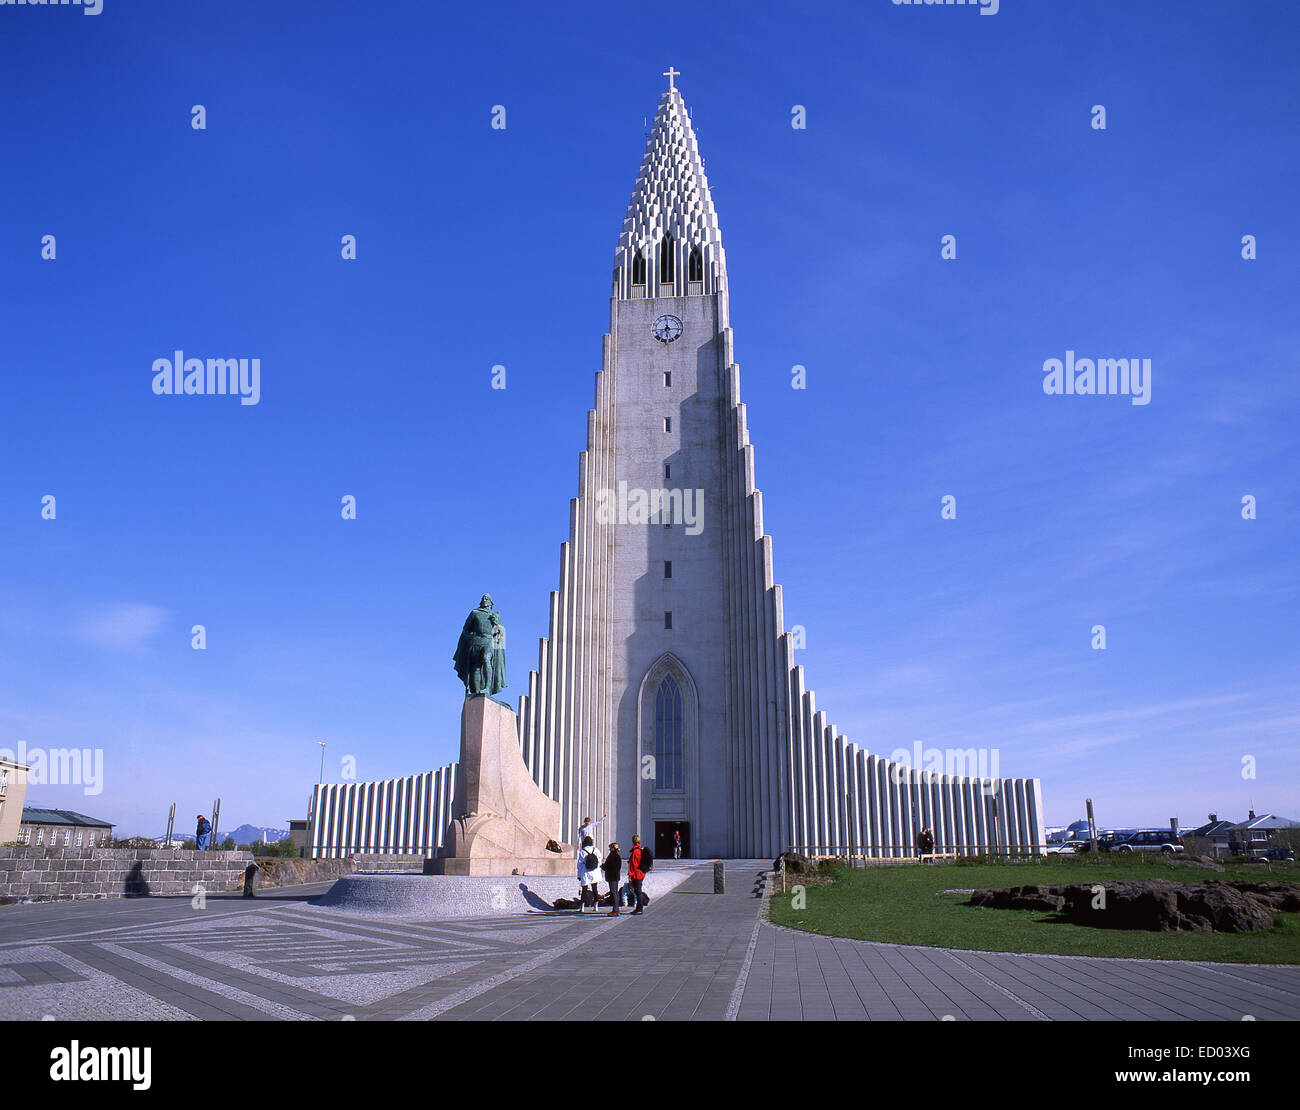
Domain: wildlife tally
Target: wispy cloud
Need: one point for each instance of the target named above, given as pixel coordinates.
(122, 627)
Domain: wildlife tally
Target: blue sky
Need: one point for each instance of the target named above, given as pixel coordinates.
(479, 247)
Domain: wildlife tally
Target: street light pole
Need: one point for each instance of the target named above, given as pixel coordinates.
(322, 762)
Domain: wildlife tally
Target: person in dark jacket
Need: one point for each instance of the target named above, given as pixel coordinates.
(635, 874)
(613, 868)
(925, 842)
(201, 832)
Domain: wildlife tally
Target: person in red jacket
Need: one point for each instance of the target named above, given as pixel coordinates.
(635, 874)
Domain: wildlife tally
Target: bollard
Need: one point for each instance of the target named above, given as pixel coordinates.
(719, 881)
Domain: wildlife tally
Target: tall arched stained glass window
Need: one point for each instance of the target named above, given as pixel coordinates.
(668, 736)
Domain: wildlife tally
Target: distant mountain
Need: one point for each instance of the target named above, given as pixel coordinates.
(245, 834)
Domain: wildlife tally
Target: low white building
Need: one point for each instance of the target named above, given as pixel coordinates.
(63, 828)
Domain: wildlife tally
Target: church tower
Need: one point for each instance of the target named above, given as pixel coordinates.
(666, 633)
(666, 692)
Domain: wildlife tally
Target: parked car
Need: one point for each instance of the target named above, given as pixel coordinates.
(1106, 840)
(1148, 840)
(1273, 853)
(1067, 847)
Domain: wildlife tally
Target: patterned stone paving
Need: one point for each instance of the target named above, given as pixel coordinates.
(268, 959)
(692, 955)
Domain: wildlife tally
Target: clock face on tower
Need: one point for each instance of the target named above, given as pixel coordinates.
(667, 328)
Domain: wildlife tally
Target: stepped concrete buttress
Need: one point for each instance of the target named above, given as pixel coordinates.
(502, 818)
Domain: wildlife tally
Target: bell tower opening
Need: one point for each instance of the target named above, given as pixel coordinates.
(667, 258)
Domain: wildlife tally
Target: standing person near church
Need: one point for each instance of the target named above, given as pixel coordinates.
(635, 874)
(677, 843)
(588, 873)
(613, 868)
(585, 830)
(202, 832)
(925, 842)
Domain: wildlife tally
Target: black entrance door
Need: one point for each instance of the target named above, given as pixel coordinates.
(664, 838)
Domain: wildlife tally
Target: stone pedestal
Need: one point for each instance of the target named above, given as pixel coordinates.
(503, 819)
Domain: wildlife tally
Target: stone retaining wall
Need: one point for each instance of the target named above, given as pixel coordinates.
(275, 872)
(378, 863)
(38, 874)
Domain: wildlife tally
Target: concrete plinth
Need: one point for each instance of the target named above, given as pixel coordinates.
(504, 819)
(455, 897)
(551, 864)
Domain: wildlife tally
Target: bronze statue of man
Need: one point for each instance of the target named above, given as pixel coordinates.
(480, 658)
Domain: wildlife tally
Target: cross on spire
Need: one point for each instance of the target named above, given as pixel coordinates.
(670, 73)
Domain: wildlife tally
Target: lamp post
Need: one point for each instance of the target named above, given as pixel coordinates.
(322, 762)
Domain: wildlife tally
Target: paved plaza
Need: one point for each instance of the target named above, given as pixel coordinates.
(693, 955)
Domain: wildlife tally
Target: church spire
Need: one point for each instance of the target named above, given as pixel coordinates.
(670, 245)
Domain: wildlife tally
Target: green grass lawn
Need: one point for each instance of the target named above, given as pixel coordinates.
(903, 905)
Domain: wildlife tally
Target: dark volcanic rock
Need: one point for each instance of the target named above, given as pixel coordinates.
(1280, 897)
(1146, 904)
(1019, 898)
(1158, 905)
(795, 864)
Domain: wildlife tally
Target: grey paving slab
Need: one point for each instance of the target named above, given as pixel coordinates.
(679, 960)
(692, 956)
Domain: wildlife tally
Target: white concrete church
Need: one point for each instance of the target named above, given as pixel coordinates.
(666, 635)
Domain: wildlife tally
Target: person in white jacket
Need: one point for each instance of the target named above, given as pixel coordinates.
(585, 830)
(588, 876)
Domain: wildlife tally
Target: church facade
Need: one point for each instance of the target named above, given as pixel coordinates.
(666, 692)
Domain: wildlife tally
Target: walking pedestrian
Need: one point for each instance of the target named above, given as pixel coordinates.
(588, 874)
(677, 843)
(613, 868)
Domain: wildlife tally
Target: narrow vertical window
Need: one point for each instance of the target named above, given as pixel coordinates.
(668, 735)
(668, 621)
(695, 268)
(638, 269)
(668, 423)
(668, 471)
(668, 379)
(667, 254)
(668, 571)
